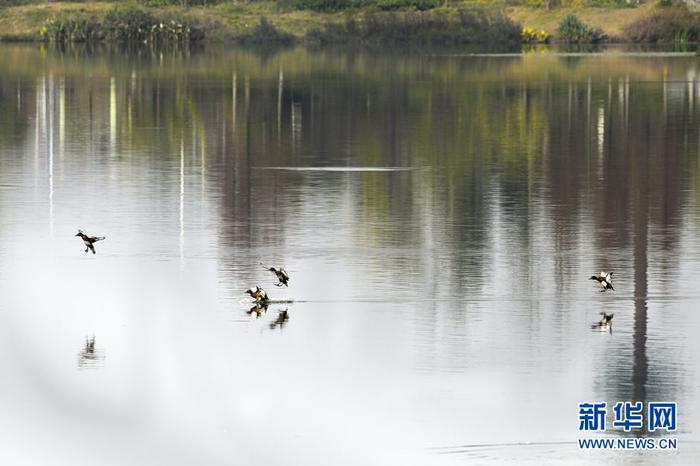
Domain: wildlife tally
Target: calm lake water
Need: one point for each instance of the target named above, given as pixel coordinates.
(439, 216)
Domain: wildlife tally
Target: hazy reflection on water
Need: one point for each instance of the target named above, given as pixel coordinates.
(91, 356)
(439, 217)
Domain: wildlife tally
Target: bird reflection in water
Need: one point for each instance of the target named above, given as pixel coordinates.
(281, 320)
(605, 324)
(90, 356)
(257, 310)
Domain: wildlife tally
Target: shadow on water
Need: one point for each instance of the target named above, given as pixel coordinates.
(257, 310)
(605, 324)
(281, 319)
(91, 356)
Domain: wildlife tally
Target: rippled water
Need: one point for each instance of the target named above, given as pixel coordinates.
(439, 217)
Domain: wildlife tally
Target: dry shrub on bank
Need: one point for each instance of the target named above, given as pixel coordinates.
(667, 25)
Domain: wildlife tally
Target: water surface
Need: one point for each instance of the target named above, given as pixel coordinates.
(439, 216)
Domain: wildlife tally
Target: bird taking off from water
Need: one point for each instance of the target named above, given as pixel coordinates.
(281, 276)
(258, 294)
(89, 240)
(605, 280)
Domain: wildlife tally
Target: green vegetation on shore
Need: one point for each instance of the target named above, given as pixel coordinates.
(348, 21)
(125, 25)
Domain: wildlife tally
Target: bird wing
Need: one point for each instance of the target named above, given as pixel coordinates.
(94, 239)
(284, 274)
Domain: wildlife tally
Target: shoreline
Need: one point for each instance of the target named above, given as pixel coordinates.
(236, 23)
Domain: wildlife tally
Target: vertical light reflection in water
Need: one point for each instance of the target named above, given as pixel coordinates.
(296, 125)
(689, 87)
(112, 113)
(696, 87)
(280, 86)
(664, 90)
(182, 203)
(40, 96)
(569, 104)
(61, 117)
(234, 89)
(130, 111)
(601, 142)
(247, 116)
(50, 126)
(203, 161)
(627, 103)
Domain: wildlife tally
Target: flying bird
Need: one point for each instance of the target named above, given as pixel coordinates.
(605, 280)
(89, 240)
(281, 276)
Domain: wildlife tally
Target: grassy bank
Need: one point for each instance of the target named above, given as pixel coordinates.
(611, 20)
(230, 21)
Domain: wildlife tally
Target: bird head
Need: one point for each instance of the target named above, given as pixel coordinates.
(79, 233)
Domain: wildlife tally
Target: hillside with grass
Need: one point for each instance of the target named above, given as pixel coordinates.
(351, 21)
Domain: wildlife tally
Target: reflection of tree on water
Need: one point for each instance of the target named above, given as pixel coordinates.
(90, 356)
(640, 364)
(568, 138)
(644, 164)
